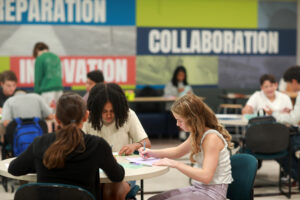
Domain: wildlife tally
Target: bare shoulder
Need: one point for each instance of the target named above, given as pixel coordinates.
(213, 140)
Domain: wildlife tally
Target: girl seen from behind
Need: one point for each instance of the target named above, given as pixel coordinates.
(69, 156)
(207, 144)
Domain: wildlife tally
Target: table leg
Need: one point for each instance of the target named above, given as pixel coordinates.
(142, 189)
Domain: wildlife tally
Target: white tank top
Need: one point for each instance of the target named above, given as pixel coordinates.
(223, 170)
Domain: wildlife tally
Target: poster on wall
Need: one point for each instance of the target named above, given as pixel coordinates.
(120, 70)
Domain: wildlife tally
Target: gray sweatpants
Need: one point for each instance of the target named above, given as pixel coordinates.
(195, 192)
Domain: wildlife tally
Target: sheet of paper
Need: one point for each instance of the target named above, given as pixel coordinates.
(142, 161)
(115, 153)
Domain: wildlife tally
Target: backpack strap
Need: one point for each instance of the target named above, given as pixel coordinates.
(36, 120)
(19, 122)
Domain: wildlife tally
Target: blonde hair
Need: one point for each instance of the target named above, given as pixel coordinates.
(198, 116)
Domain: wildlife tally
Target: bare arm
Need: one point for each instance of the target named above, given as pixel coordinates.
(247, 110)
(130, 148)
(5, 123)
(173, 152)
(212, 145)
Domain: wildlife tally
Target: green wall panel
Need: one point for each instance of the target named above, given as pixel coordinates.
(197, 13)
(4, 63)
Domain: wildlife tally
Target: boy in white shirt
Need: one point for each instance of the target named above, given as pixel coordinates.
(268, 99)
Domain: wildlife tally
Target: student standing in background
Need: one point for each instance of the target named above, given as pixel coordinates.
(208, 146)
(93, 77)
(111, 119)
(58, 157)
(47, 74)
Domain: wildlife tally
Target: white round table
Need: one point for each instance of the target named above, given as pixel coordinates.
(131, 173)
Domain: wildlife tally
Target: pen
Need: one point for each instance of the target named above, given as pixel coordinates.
(144, 145)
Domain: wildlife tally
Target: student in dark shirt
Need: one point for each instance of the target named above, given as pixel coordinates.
(8, 80)
(69, 156)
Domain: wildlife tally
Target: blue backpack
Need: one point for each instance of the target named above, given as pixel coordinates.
(25, 133)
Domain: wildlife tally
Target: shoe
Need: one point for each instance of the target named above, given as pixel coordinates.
(285, 181)
(133, 191)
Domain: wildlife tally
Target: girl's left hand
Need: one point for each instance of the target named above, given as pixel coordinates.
(166, 162)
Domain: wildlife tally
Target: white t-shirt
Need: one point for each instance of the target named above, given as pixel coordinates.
(132, 131)
(291, 118)
(259, 101)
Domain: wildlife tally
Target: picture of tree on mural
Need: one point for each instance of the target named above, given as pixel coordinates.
(158, 70)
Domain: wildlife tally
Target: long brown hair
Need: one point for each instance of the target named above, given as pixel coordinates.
(70, 111)
(198, 116)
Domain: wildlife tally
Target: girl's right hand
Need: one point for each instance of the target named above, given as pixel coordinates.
(147, 153)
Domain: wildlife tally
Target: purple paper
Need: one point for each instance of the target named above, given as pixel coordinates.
(142, 161)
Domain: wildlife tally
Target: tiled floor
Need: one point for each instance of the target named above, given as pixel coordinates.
(173, 179)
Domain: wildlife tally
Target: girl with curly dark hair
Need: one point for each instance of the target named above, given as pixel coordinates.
(111, 119)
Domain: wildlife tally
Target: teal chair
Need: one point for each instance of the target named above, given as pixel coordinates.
(52, 191)
(243, 168)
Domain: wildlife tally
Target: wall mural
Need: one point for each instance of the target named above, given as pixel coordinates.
(138, 42)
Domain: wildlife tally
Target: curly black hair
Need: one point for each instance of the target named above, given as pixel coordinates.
(102, 93)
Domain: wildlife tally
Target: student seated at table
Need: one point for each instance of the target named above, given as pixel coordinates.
(57, 157)
(93, 77)
(111, 119)
(25, 105)
(292, 78)
(268, 98)
(208, 146)
(8, 80)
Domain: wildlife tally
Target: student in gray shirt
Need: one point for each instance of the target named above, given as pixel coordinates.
(25, 106)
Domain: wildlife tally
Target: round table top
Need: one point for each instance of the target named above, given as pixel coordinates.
(132, 172)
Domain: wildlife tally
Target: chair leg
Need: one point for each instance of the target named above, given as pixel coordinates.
(4, 183)
(298, 173)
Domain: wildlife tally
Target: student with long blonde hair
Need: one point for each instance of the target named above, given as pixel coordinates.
(207, 144)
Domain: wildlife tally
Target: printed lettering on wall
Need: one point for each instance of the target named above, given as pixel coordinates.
(188, 41)
(119, 70)
(81, 12)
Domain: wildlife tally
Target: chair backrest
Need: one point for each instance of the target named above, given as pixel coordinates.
(267, 138)
(243, 167)
(262, 120)
(52, 191)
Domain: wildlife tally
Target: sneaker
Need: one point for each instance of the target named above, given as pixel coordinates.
(285, 181)
(133, 191)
